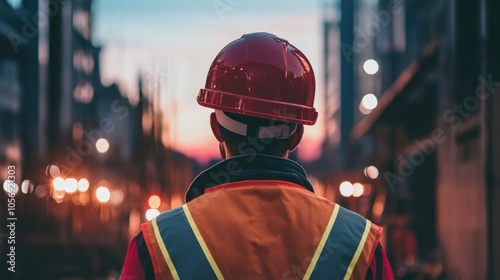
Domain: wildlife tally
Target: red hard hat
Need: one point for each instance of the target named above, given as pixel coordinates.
(261, 75)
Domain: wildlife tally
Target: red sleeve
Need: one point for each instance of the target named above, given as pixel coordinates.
(380, 268)
(132, 268)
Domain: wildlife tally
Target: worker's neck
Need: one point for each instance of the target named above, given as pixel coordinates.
(226, 154)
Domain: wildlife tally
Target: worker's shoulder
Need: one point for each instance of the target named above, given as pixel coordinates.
(319, 200)
(166, 216)
(352, 218)
(170, 214)
(341, 213)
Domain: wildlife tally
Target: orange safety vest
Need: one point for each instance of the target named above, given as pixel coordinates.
(260, 230)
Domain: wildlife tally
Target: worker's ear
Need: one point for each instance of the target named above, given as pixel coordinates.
(214, 124)
(297, 137)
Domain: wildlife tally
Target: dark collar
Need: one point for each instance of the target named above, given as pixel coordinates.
(248, 167)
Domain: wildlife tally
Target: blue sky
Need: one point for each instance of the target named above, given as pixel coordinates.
(176, 41)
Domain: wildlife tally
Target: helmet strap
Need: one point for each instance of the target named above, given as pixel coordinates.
(222, 151)
(279, 131)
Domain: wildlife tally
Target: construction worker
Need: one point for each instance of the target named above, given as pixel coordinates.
(255, 215)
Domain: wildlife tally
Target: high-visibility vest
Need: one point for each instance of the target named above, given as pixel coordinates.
(260, 230)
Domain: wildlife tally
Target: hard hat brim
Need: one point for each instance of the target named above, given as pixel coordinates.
(257, 107)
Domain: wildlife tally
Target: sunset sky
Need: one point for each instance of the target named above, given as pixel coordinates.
(175, 42)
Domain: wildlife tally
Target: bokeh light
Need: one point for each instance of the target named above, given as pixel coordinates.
(52, 170)
(10, 186)
(84, 198)
(154, 202)
(151, 214)
(27, 186)
(70, 185)
(103, 194)
(58, 196)
(346, 188)
(371, 172)
(363, 110)
(358, 189)
(117, 197)
(58, 184)
(83, 185)
(370, 66)
(369, 101)
(102, 145)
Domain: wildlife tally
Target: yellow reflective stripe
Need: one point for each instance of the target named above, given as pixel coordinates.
(322, 243)
(164, 251)
(203, 245)
(359, 250)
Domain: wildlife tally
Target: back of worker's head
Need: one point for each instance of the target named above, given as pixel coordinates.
(262, 90)
(243, 135)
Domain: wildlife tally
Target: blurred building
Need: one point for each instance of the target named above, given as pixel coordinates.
(429, 129)
(87, 159)
(10, 87)
(19, 77)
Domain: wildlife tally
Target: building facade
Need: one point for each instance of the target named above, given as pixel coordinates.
(87, 159)
(431, 134)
